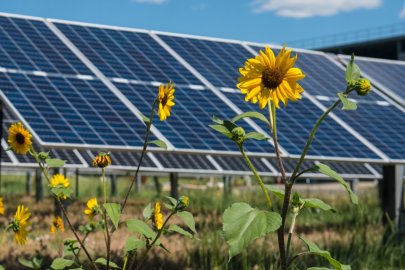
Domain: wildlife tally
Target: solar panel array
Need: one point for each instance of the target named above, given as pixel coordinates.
(82, 86)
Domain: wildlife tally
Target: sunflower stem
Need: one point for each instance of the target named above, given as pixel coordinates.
(257, 176)
(107, 233)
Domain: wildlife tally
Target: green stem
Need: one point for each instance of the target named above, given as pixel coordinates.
(107, 233)
(290, 233)
(273, 128)
(257, 176)
(60, 204)
(145, 145)
(125, 262)
(298, 255)
(4, 232)
(154, 241)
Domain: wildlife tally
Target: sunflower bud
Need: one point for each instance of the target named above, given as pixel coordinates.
(102, 160)
(238, 134)
(183, 203)
(42, 156)
(363, 87)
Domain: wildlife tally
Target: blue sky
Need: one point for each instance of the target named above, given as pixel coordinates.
(277, 21)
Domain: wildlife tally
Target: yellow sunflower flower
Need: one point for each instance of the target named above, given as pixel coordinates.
(267, 78)
(57, 224)
(102, 160)
(59, 180)
(19, 138)
(92, 208)
(165, 100)
(19, 224)
(157, 216)
(1, 206)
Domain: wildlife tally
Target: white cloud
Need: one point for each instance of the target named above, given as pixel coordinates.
(402, 14)
(154, 2)
(310, 8)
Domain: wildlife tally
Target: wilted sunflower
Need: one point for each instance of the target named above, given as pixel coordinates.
(165, 100)
(268, 78)
(59, 180)
(19, 223)
(19, 138)
(1, 206)
(92, 208)
(102, 160)
(57, 224)
(157, 216)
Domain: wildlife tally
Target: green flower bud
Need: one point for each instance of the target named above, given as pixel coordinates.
(238, 134)
(183, 203)
(42, 156)
(363, 87)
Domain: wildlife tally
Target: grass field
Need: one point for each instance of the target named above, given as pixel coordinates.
(353, 235)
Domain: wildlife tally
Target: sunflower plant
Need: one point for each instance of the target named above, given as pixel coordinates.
(102, 215)
(266, 80)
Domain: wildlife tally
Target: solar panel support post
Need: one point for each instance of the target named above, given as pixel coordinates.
(28, 183)
(354, 184)
(391, 192)
(174, 185)
(113, 191)
(227, 185)
(138, 183)
(157, 185)
(38, 185)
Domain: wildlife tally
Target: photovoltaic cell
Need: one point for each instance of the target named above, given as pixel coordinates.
(237, 163)
(125, 159)
(184, 161)
(69, 110)
(127, 54)
(31, 46)
(187, 127)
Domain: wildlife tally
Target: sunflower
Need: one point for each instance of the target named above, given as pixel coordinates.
(19, 223)
(19, 138)
(267, 78)
(157, 216)
(92, 208)
(57, 224)
(1, 206)
(59, 180)
(102, 160)
(165, 100)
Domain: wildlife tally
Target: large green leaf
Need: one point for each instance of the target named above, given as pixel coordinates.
(2, 267)
(314, 249)
(222, 129)
(347, 104)
(319, 268)
(256, 136)
(159, 143)
(60, 263)
(242, 224)
(180, 230)
(103, 261)
(133, 243)
(139, 226)
(55, 162)
(317, 203)
(26, 263)
(114, 212)
(61, 191)
(324, 169)
(276, 191)
(256, 115)
(188, 219)
(147, 212)
(352, 72)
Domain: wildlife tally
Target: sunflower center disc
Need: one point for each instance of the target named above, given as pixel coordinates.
(20, 138)
(271, 78)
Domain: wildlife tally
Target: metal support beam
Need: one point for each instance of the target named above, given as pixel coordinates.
(227, 185)
(77, 183)
(157, 185)
(391, 192)
(138, 183)
(113, 191)
(174, 185)
(28, 183)
(39, 194)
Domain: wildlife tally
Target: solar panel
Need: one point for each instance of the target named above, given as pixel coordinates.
(31, 46)
(126, 54)
(188, 127)
(185, 161)
(120, 159)
(70, 110)
(237, 163)
(389, 74)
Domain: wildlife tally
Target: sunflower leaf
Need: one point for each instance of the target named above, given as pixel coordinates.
(133, 243)
(352, 72)
(113, 211)
(256, 136)
(60, 263)
(180, 230)
(103, 261)
(347, 103)
(144, 118)
(55, 162)
(256, 115)
(159, 143)
(222, 129)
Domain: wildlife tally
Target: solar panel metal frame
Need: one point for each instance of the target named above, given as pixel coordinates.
(394, 97)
